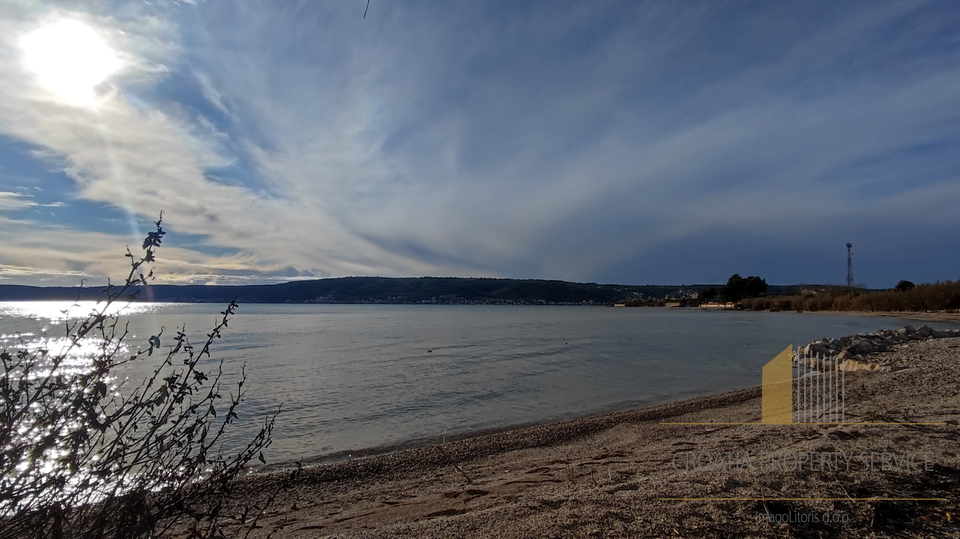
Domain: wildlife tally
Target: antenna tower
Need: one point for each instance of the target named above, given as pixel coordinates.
(849, 265)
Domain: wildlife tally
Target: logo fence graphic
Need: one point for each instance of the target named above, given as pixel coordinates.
(803, 387)
(800, 387)
(820, 389)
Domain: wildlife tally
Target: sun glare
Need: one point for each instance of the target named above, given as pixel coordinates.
(70, 60)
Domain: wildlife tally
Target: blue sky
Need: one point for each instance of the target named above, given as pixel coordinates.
(628, 142)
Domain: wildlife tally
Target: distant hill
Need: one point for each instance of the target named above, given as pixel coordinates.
(440, 290)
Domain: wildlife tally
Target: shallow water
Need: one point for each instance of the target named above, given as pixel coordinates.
(361, 377)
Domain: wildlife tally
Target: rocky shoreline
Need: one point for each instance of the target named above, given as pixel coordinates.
(861, 351)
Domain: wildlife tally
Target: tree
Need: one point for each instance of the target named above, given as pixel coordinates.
(709, 294)
(84, 455)
(754, 287)
(904, 286)
(738, 288)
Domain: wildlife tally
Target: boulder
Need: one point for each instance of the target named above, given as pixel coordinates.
(863, 346)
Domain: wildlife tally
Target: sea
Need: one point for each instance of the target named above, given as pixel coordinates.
(355, 380)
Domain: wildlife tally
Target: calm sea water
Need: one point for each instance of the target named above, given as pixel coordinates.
(356, 378)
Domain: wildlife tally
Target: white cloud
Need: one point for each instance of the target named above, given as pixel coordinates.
(213, 95)
(15, 201)
(57, 255)
(145, 160)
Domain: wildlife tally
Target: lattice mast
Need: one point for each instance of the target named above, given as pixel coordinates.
(849, 265)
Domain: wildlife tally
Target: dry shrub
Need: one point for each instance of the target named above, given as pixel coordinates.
(86, 456)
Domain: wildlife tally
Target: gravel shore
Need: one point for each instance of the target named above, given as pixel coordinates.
(630, 474)
(935, 316)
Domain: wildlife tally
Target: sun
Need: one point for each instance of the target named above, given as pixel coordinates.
(70, 59)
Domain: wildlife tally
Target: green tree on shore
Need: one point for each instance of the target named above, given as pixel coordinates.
(904, 286)
(709, 294)
(738, 288)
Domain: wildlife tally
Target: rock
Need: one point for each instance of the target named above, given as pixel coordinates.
(851, 365)
(835, 353)
(863, 346)
(890, 368)
(815, 349)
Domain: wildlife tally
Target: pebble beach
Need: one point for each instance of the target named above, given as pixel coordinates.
(630, 474)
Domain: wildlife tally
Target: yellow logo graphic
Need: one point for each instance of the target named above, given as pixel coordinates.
(803, 387)
(812, 391)
(777, 399)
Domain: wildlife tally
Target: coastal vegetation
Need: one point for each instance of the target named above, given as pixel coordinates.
(86, 453)
(905, 296)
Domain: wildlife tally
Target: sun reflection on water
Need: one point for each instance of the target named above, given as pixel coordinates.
(61, 311)
(41, 331)
(42, 327)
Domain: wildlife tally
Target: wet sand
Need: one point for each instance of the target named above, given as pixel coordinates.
(628, 474)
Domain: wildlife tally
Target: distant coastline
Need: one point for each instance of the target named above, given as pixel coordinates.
(384, 290)
(489, 291)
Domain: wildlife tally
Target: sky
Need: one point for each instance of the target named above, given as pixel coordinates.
(625, 142)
